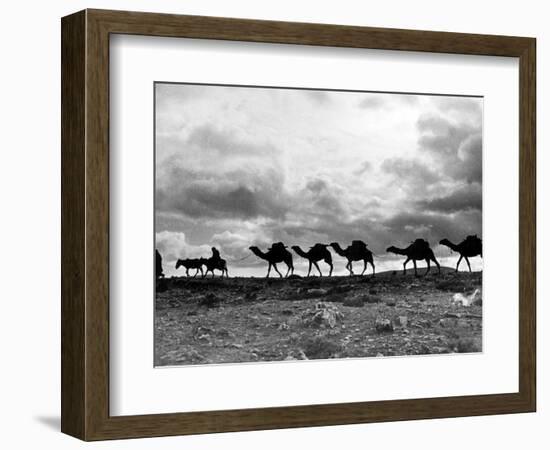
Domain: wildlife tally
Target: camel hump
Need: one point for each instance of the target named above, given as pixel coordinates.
(278, 246)
(358, 244)
(319, 246)
(473, 238)
(421, 243)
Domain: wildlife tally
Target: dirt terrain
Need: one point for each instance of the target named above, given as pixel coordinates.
(203, 321)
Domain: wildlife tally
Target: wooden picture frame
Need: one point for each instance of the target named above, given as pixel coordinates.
(85, 224)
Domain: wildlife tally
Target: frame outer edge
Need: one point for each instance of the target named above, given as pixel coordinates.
(85, 225)
(528, 224)
(73, 225)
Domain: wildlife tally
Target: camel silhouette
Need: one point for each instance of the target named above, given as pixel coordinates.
(318, 252)
(276, 254)
(468, 248)
(196, 263)
(215, 264)
(357, 251)
(419, 250)
(158, 265)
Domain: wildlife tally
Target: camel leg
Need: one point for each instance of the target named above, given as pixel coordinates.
(288, 268)
(428, 264)
(309, 269)
(364, 266)
(458, 263)
(405, 266)
(196, 272)
(277, 270)
(186, 271)
(268, 270)
(330, 265)
(317, 265)
(350, 268)
(436, 263)
(469, 267)
(373, 270)
(414, 264)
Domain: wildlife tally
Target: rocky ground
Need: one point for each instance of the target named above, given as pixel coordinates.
(251, 319)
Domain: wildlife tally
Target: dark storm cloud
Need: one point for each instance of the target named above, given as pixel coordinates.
(235, 194)
(409, 171)
(455, 148)
(321, 197)
(463, 199)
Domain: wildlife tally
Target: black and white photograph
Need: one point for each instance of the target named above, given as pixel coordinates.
(296, 224)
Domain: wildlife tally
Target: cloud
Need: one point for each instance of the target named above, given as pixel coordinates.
(456, 149)
(405, 227)
(463, 199)
(409, 171)
(241, 166)
(318, 97)
(241, 194)
(371, 102)
(364, 167)
(467, 109)
(222, 173)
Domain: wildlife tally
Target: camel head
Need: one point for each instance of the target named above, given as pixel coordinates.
(391, 249)
(445, 242)
(179, 263)
(256, 251)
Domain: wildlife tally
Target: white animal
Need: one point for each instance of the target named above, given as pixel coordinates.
(466, 300)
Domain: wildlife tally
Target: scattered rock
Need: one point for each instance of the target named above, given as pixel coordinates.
(400, 321)
(391, 303)
(316, 292)
(379, 355)
(383, 325)
(283, 326)
(371, 298)
(320, 347)
(324, 315)
(234, 346)
(453, 315)
(210, 301)
(353, 302)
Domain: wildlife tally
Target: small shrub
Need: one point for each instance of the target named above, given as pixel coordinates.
(467, 345)
(320, 347)
(353, 302)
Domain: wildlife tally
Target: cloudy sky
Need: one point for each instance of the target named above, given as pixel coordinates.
(241, 166)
